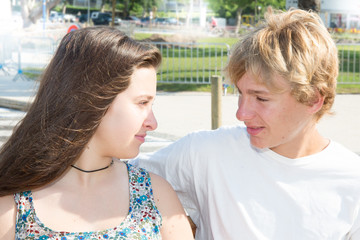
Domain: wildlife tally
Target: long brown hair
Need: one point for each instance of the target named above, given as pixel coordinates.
(90, 67)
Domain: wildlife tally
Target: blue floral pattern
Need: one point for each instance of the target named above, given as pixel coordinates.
(143, 221)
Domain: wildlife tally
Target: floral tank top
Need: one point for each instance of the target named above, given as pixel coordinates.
(142, 222)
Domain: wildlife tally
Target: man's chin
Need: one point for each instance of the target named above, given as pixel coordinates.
(257, 144)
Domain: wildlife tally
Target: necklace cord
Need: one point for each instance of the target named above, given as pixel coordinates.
(96, 170)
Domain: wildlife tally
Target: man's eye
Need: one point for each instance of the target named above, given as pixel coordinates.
(261, 99)
(144, 102)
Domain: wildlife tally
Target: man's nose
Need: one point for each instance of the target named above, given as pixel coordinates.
(245, 110)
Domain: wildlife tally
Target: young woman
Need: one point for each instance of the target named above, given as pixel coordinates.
(60, 173)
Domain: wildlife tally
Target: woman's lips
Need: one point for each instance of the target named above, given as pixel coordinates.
(141, 138)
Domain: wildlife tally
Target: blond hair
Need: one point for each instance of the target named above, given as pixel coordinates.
(296, 46)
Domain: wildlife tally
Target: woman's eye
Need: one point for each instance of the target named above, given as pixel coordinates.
(144, 102)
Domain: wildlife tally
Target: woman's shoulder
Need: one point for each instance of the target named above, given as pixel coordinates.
(166, 202)
(159, 183)
(155, 180)
(175, 224)
(135, 171)
(7, 217)
(163, 192)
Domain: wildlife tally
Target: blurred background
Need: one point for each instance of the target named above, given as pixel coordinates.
(187, 31)
(194, 37)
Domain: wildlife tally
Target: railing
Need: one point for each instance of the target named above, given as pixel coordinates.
(349, 63)
(193, 63)
(26, 56)
(7, 48)
(34, 54)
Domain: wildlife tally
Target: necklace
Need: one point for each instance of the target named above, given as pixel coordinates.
(96, 170)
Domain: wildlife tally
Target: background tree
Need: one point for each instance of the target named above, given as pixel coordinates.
(230, 9)
(32, 10)
(260, 6)
(309, 5)
(235, 8)
(137, 8)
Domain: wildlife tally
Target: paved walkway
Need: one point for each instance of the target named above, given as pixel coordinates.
(181, 113)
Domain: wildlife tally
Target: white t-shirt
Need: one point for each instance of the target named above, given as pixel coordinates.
(232, 190)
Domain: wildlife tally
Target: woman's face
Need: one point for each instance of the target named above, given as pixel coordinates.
(123, 128)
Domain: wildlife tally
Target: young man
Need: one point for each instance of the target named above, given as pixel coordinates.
(276, 178)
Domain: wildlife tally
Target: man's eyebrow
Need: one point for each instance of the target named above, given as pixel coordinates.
(252, 92)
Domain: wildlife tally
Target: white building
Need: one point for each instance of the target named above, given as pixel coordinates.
(337, 13)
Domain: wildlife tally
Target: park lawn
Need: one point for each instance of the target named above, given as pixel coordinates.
(179, 68)
(349, 58)
(192, 63)
(181, 87)
(348, 80)
(348, 88)
(229, 41)
(190, 69)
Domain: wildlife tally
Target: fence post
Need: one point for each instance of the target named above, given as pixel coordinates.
(20, 74)
(216, 95)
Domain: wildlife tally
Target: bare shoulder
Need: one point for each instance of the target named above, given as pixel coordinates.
(159, 182)
(175, 224)
(7, 217)
(164, 193)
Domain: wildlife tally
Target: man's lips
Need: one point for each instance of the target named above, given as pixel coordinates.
(252, 130)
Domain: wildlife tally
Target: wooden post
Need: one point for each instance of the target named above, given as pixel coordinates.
(113, 13)
(216, 95)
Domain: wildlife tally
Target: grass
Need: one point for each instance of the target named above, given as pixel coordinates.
(142, 36)
(228, 41)
(198, 64)
(183, 87)
(348, 88)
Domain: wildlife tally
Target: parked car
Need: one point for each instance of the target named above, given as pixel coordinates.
(173, 21)
(100, 18)
(160, 21)
(134, 20)
(117, 20)
(145, 20)
(69, 18)
(56, 17)
(83, 18)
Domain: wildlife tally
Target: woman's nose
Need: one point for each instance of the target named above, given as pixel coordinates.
(150, 122)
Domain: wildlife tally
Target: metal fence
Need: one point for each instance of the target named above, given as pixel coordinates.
(193, 63)
(349, 63)
(27, 55)
(34, 54)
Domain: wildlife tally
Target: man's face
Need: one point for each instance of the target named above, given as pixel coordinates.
(274, 120)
